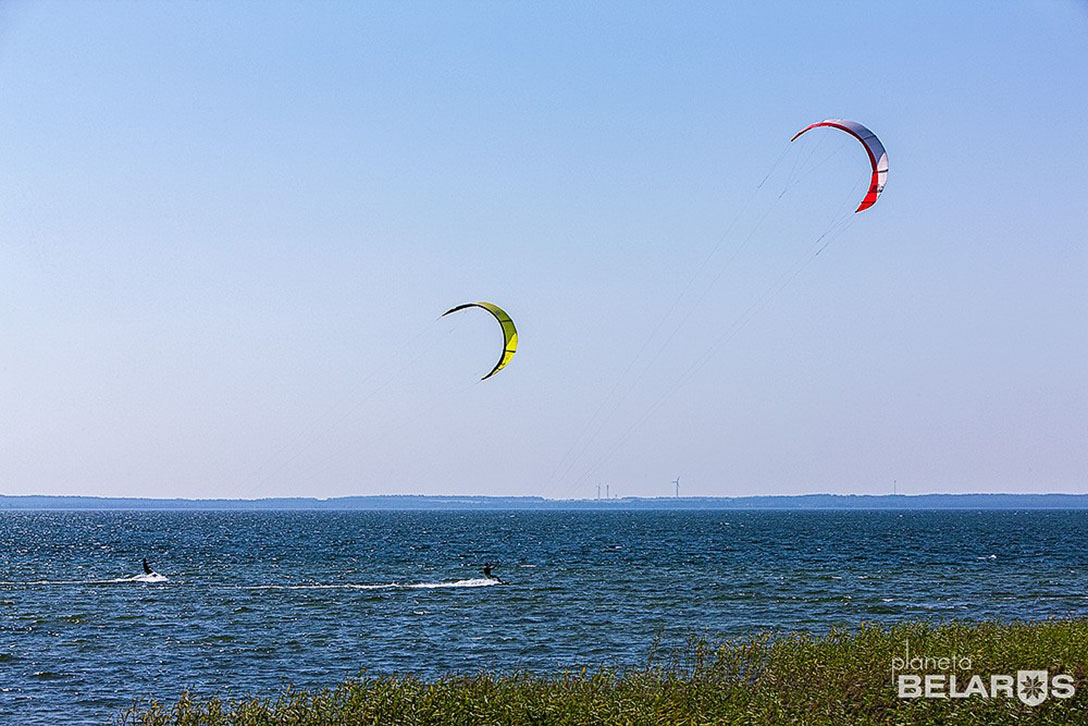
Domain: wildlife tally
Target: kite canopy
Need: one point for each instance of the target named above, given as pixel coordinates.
(877, 156)
(509, 332)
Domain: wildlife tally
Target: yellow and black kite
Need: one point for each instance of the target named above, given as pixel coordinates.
(509, 332)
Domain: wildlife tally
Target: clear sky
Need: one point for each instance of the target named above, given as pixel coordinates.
(227, 231)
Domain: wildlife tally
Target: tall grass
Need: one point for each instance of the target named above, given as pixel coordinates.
(843, 677)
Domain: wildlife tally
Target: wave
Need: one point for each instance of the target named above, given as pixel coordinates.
(475, 582)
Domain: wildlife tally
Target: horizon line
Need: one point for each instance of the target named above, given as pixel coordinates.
(419, 502)
(671, 498)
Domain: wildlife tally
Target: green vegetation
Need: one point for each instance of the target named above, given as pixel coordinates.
(843, 677)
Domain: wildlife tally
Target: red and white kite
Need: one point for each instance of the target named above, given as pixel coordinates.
(877, 156)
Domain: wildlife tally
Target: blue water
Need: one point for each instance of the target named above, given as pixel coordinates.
(254, 600)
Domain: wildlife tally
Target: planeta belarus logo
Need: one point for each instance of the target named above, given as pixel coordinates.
(954, 677)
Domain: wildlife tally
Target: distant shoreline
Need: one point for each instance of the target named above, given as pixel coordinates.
(400, 502)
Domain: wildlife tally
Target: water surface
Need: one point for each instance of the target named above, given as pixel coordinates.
(254, 600)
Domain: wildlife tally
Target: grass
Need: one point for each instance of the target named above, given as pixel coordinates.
(843, 677)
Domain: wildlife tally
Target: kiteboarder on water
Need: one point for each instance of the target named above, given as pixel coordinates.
(147, 568)
(490, 576)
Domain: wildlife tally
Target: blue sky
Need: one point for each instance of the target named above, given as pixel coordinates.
(228, 230)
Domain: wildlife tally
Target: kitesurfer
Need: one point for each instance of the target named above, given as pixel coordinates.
(147, 568)
(489, 575)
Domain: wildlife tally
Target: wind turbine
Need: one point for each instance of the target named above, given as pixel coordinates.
(676, 481)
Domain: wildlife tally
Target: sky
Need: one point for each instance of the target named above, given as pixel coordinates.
(227, 232)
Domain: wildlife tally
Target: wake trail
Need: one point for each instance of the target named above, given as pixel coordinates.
(153, 578)
(475, 582)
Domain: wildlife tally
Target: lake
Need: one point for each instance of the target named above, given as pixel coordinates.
(255, 600)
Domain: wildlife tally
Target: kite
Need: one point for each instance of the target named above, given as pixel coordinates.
(877, 156)
(509, 332)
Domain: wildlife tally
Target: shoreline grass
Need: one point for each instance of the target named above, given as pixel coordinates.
(841, 677)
